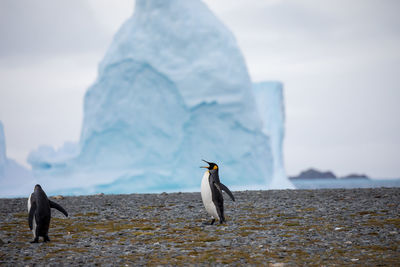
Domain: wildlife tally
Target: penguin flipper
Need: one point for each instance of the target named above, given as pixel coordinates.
(31, 214)
(58, 207)
(217, 198)
(226, 189)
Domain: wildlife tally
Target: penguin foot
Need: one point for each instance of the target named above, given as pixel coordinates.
(36, 240)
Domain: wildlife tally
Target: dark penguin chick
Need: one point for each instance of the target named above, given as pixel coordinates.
(39, 209)
(211, 193)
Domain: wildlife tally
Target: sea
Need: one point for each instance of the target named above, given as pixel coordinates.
(344, 183)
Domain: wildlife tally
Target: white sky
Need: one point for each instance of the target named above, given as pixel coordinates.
(339, 61)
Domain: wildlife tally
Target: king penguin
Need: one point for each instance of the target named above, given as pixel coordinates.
(211, 193)
(39, 209)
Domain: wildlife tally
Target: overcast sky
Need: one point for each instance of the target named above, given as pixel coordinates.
(339, 62)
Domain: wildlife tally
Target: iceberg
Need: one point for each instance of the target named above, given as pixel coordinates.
(15, 180)
(172, 89)
(270, 105)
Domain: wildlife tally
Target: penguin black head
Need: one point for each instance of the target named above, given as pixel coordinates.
(38, 188)
(212, 165)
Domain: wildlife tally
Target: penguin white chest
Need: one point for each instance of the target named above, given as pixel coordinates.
(34, 219)
(206, 196)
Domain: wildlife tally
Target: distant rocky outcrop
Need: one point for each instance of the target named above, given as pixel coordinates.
(355, 176)
(316, 174)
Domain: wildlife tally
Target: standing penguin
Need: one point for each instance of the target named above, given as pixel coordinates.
(40, 213)
(211, 193)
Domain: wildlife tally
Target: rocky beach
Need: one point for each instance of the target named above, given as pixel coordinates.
(332, 227)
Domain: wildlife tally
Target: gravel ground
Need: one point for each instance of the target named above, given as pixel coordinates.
(277, 228)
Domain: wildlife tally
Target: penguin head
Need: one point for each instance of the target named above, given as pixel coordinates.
(211, 165)
(38, 188)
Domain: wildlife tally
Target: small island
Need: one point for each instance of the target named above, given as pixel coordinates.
(316, 174)
(355, 176)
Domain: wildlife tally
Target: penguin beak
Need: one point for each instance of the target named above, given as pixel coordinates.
(205, 166)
